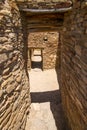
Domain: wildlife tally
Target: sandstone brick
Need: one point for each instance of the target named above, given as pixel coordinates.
(78, 50)
(18, 79)
(11, 88)
(6, 71)
(3, 39)
(3, 57)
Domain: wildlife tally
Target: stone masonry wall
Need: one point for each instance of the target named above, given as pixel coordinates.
(14, 88)
(74, 66)
(44, 4)
(49, 41)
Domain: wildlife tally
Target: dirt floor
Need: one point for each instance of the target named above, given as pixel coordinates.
(46, 110)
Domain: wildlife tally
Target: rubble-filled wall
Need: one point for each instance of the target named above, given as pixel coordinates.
(49, 41)
(44, 4)
(14, 88)
(74, 66)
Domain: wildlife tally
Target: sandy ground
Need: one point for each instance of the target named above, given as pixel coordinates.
(46, 110)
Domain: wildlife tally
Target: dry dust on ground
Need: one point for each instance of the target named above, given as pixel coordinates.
(46, 110)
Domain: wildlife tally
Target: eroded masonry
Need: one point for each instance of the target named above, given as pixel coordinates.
(46, 45)
(18, 20)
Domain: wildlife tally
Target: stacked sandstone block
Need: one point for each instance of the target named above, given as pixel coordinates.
(14, 89)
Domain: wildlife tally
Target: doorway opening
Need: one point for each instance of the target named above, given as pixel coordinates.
(36, 57)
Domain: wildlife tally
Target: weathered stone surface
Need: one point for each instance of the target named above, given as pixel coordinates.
(49, 41)
(11, 88)
(3, 39)
(3, 57)
(12, 83)
(43, 4)
(73, 65)
(1, 93)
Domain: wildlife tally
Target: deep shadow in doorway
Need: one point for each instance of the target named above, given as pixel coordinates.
(55, 105)
(36, 64)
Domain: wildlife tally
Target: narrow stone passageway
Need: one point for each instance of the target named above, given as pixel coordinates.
(59, 29)
(46, 110)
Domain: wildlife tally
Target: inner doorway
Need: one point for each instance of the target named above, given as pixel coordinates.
(36, 57)
(36, 61)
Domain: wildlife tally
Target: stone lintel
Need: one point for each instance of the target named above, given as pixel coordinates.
(61, 10)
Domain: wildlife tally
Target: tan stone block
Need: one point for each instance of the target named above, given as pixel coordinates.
(19, 87)
(3, 39)
(5, 77)
(1, 93)
(6, 71)
(40, 1)
(11, 87)
(3, 57)
(78, 50)
(19, 78)
(5, 11)
(3, 85)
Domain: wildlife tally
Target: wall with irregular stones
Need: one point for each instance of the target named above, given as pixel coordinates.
(43, 4)
(49, 41)
(74, 66)
(14, 87)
